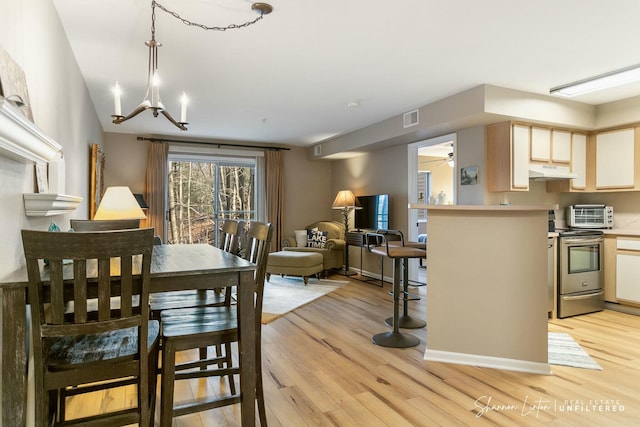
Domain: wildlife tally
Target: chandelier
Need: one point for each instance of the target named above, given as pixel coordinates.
(152, 99)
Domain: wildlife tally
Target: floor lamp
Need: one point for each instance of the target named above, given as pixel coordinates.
(346, 202)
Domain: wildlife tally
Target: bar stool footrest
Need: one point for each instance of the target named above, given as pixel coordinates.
(409, 296)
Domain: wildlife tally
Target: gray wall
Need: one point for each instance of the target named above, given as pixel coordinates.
(31, 34)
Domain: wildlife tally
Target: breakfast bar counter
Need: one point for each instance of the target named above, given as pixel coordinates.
(486, 297)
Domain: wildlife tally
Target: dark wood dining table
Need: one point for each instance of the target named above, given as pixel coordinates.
(173, 268)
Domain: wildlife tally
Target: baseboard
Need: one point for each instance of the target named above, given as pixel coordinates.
(622, 308)
(488, 362)
(370, 275)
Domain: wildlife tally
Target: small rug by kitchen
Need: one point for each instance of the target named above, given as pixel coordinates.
(285, 294)
(564, 350)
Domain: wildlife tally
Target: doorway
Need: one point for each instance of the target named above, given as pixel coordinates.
(432, 180)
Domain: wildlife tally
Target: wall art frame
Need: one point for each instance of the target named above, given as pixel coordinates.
(13, 84)
(96, 179)
(469, 175)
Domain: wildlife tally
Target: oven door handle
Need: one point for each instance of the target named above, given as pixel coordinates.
(578, 297)
(581, 240)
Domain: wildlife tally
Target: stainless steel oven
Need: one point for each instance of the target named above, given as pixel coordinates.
(580, 273)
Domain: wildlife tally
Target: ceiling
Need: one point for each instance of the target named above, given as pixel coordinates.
(313, 70)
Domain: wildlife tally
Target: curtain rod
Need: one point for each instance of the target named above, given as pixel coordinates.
(215, 144)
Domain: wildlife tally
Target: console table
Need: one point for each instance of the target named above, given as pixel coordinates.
(359, 239)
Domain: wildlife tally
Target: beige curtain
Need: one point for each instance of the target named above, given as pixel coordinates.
(156, 187)
(274, 194)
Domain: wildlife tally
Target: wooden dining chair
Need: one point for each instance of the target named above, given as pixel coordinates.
(204, 298)
(184, 329)
(81, 353)
(103, 224)
(183, 299)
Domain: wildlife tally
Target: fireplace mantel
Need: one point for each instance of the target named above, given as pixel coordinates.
(20, 139)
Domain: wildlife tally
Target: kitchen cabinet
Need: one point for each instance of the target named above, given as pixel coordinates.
(550, 146)
(579, 161)
(540, 144)
(579, 166)
(508, 148)
(628, 270)
(560, 146)
(607, 161)
(610, 247)
(615, 159)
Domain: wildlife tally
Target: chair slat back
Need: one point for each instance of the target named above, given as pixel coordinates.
(104, 224)
(229, 236)
(257, 251)
(83, 266)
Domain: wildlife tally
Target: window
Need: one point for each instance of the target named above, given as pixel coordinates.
(204, 191)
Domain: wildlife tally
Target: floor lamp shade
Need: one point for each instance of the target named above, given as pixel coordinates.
(344, 199)
(119, 203)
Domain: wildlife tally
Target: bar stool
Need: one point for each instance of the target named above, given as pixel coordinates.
(405, 320)
(400, 255)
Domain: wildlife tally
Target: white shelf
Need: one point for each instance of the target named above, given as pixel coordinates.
(48, 204)
(20, 139)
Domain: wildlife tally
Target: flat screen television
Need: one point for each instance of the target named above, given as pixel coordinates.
(374, 214)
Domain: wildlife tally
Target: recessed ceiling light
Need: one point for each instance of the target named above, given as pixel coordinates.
(353, 104)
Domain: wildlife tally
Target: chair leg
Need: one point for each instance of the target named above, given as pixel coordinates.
(203, 356)
(167, 384)
(262, 410)
(228, 362)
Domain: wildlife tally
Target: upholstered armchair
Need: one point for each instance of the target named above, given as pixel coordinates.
(333, 251)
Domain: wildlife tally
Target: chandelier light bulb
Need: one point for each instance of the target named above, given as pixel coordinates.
(116, 99)
(183, 112)
(155, 90)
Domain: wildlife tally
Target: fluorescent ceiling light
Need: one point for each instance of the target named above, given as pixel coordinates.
(603, 81)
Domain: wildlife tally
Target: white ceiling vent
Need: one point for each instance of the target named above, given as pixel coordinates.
(317, 150)
(410, 118)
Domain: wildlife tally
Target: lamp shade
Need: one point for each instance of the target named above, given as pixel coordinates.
(345, 199)
(119, 203)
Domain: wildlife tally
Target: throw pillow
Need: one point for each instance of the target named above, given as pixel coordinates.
(301, 238)
(316, 238)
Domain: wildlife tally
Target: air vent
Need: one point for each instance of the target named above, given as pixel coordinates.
(410, 118)
(317, 150)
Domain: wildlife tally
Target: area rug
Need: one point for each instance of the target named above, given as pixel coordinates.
(564, 350)
(285, 294)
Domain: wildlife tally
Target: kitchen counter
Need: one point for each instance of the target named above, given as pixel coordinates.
(634, 232)
(485, 286)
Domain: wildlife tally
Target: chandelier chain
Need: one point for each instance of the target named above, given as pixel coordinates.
(205, 27)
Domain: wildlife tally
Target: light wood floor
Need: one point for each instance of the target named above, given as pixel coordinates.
(321, 369)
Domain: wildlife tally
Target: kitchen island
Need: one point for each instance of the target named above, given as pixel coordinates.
(486, 296)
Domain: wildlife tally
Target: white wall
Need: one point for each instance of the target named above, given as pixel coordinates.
(31, 33)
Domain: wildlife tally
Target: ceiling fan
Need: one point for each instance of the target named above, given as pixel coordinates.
(448, 160)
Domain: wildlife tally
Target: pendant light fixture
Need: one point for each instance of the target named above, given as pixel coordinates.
(152, 99)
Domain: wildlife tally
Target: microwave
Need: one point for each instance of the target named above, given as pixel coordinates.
(590, 216)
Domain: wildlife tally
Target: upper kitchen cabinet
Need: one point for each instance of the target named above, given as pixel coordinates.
(508, 148)
(550, 146)
(609, 159)
(578, 154)
(615, 160)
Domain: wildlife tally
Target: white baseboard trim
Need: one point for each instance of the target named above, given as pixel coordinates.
(488, 362)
